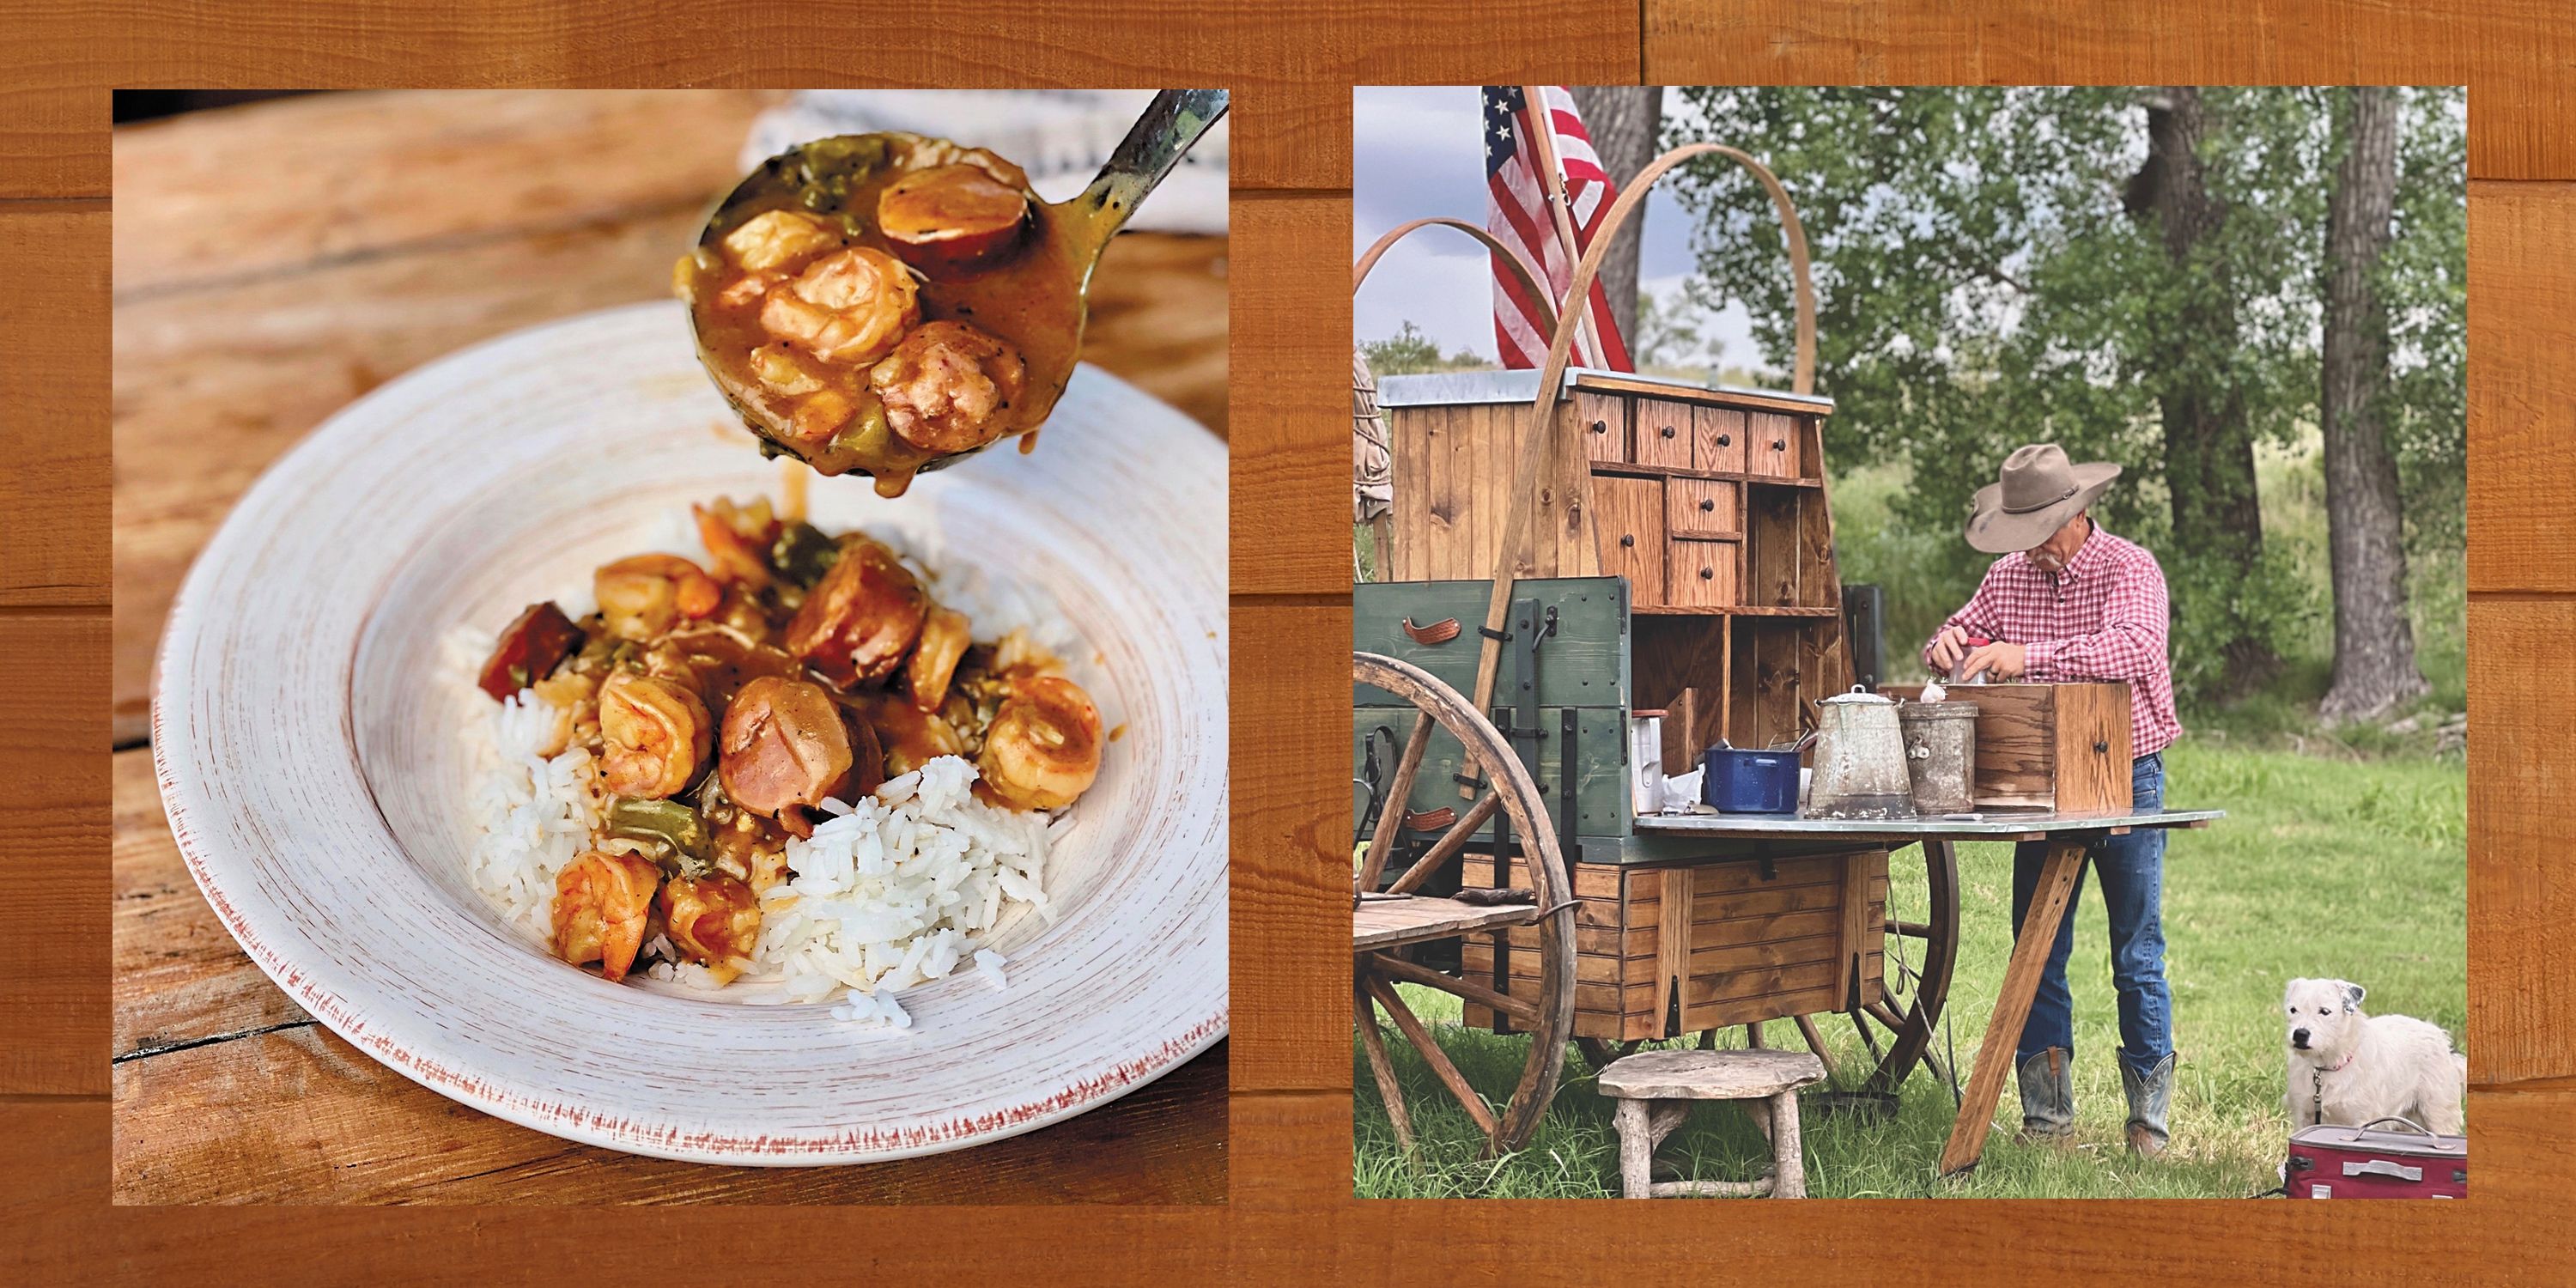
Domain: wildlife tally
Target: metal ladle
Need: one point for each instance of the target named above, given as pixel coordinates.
(1051, 275)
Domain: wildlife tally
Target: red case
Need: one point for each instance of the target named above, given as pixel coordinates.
(2367, 1163)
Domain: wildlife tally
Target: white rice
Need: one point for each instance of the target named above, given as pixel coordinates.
(885, 895)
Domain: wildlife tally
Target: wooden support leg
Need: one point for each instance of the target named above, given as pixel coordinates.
(2058, 870)
(1636, 1151)
(1383, 1070)
(1816, 1043)
(1788, 1163)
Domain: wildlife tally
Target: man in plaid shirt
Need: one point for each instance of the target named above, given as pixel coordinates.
(2070, 602)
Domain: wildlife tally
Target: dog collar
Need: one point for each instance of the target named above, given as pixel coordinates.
(2339, 1064)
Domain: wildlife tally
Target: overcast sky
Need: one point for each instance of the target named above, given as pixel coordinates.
(1416, 152)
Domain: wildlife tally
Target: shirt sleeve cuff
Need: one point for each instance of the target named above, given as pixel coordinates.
(2038, 660)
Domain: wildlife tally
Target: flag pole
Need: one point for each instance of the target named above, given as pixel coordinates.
(1543, 141)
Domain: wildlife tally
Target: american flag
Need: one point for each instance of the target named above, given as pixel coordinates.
(1518, 216)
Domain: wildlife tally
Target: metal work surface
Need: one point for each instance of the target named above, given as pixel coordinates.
(1447, 388)
(1993, 824)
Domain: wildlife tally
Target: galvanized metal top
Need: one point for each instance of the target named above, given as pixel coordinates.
(1451, 388)
(1992, 823)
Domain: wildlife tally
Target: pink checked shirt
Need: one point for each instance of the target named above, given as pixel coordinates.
(2103, 618)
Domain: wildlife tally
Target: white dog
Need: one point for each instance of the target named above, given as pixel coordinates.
(2350, 1069)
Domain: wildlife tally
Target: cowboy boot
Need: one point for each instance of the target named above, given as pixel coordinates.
(2149, 1098)
(2048, 1097)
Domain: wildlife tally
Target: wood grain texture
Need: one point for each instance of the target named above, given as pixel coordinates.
(1292, 846)
(55, 1204)
(53, 501)
(2522, 892)
(2522, 388)
(54, 81)
(51, 837)
(1290, 413)
(272, 319)
(2517, 56)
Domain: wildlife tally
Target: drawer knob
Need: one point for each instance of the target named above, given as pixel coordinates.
(1601, 427)
(1706, 574)
(1706, 505)
(2101, 748)
(1726, 440)
(1778, 445)
(1668, 431)
(1628, 540)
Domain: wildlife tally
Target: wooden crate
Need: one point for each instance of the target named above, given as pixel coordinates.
(1664, 951)
(2060, 747)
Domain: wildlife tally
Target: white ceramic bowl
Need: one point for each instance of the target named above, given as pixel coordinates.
(308, 750)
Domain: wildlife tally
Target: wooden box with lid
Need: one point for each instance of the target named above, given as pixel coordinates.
(2063, 748)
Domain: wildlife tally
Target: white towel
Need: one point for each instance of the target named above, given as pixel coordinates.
(1060, 136)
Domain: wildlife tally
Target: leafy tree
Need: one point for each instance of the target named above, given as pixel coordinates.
(1411, 351)
(2131, 273)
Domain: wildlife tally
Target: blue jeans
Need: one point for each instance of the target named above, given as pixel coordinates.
(2133, 886)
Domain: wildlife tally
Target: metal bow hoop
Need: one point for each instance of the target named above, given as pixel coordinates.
(1502, 254)
(1535, 442)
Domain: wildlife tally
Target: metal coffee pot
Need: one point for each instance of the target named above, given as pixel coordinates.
(1860, 759)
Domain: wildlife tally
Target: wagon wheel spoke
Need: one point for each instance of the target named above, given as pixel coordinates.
(1382, 1069)
(1390, 817)
(1521, 1012)
(1422, 1041)
(1920, 986)
(1449, 844)
(1815, 1042)
(1909, 929)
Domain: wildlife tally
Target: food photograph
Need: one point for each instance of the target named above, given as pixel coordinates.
(685, 655)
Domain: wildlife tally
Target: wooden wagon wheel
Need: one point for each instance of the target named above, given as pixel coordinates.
(1548, 1015)
(1916, 980)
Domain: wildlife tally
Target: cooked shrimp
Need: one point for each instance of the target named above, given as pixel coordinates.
(574, 698)
(948, 387)
(737, 540)
(644, 596)
(655, 733)
(934, 659)
(859, 620)
(775, 238)
(602, 902)
(1043, 749)
(714, 921)
(847, 307)
(784, 745)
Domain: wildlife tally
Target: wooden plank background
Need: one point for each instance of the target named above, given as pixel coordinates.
(1291, 1068)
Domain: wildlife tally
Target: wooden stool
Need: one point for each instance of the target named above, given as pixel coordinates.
(1654, 1090)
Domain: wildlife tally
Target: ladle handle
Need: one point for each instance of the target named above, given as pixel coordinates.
(1171, 123)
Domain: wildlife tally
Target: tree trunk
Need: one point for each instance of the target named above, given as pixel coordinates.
(2209, 445)
(1623, 121)
(2374, 660)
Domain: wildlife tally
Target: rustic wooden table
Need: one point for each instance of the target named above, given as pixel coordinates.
(2069, 840)
(273, 262)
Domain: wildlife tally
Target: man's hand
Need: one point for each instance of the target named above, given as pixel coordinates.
(1997, 661)
(1948, 647)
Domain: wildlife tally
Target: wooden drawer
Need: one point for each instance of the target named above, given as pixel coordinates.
(1703, 507)
(1603, 419)
(1628, 517)
(1717, 439)
(1700, 574)
(1662, 435)
(2062, 747)
(1772, 445)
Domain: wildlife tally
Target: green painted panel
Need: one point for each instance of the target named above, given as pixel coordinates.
(1601, 764)
(1585, 664)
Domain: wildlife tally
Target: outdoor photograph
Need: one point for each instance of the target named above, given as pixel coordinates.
(1909, 642)
(676, 664)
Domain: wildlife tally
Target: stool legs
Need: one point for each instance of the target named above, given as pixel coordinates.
(1788, 1159)
(1636, 1150)
(1643, 1124)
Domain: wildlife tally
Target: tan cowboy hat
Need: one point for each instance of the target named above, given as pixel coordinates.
(2033, 496)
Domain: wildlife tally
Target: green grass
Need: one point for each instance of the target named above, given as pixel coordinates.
(2323, 867)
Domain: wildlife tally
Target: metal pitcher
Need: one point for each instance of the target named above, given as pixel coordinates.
(1860, 759)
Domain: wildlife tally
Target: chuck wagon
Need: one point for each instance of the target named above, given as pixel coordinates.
(1567, 548)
